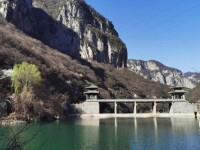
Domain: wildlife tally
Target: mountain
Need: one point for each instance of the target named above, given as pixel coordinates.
(65, 78)
(70, 26)
(193, 76)
(156, 71)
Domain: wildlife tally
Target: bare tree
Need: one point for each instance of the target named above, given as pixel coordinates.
(17, 141)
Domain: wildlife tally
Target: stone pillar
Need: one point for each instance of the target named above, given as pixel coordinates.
(154, 107)
(170, 105)
(135, 108)
(171, 108)
(115, 107)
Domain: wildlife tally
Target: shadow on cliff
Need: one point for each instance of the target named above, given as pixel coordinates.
(55, 34)
(70, 39)
(40, 25)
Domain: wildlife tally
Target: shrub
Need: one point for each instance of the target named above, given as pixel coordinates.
(25, 75)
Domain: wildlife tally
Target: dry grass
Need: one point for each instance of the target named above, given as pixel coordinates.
(194, 95)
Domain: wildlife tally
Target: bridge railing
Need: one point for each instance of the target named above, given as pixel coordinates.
(136, 100)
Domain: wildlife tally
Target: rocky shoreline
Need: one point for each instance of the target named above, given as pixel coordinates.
(11, 120)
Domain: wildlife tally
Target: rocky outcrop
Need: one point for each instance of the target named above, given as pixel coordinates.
(154, 70)
(99, 40)
(5, 73)
(71, 26)
(193, 76)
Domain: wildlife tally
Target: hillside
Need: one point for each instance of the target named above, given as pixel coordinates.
(194, 95)
(156, 71)
(64, 78)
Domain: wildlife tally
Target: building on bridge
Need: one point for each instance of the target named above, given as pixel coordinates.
(92, 92)
(177, 92)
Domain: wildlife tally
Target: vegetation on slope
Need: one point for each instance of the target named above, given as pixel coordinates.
(64, 79)
(194, 95)
(26, 79)
(25, 76)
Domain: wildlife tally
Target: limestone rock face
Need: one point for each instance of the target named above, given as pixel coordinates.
(193, 76)
(99, 40)
(158, 72)
(70, 26)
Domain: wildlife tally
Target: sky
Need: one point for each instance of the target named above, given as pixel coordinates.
(164, 30)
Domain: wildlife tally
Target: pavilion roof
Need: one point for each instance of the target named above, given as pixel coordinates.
(91, 92)
(92, 87)
(177, 91)
(177, 87)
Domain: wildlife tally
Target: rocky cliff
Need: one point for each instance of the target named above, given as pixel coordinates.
(70, 26)
(154, 70)
(193, 76)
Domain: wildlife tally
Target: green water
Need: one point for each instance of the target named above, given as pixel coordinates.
(113, 134)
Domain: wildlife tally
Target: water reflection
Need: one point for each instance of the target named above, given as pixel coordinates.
(115, 122)
(186, 132)
(120, 134)
(135, 126)
(155, 131)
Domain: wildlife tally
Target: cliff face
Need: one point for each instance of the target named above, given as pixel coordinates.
(37, 23)
(99, 40)
(193, 76)
(70, 26)
(156, 71)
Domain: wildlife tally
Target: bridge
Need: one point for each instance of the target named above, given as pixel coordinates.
(92, 106)
(177, 104)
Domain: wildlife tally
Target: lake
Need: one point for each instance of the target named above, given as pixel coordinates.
(113, 134)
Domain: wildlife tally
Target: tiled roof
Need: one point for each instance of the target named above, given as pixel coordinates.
(91, 92)
(92, 87)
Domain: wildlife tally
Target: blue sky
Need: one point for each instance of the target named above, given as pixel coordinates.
(163, 30)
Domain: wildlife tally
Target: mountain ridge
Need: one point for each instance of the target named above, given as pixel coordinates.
(156, 71)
